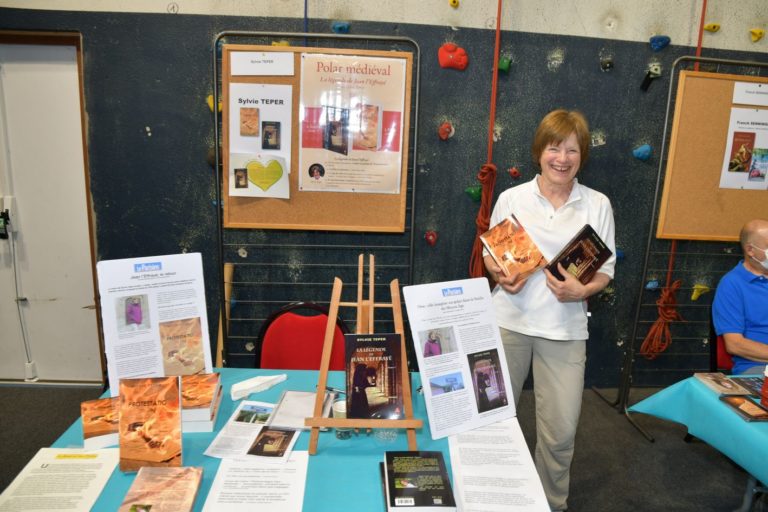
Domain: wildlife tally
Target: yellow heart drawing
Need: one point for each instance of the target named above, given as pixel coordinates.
(264, 176)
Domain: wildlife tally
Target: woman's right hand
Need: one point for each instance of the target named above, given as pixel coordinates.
(510, 284)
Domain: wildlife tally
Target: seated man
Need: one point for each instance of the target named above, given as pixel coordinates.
(740, 308)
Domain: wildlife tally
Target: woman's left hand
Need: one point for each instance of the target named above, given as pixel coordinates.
(569, 290)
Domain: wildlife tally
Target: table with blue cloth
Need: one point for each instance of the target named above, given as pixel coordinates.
(691, 403)
(340, 464)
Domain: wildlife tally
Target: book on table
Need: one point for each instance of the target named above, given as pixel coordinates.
(163, 489)
(417, 480)
(752, 383)
(198, 395)
(373, 367)
(101, 418)
(207, 425)
(745, 407)
(582, 256)
(512, 248)
(721, 383)
(150, 422)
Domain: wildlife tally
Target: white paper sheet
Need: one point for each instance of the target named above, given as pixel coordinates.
(246, 485)
(241, 429)
(465, 381)
(493, 470)
(155, 319)
(60, 479)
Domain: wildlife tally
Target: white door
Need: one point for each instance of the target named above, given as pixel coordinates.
(48, 256)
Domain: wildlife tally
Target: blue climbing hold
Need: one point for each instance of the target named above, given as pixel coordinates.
(340, 27)
(642, 152)
(232, 303)
(652, 285)
(619, 254)
(658, 43)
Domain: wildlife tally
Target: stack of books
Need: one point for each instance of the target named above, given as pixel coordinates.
(200, 400)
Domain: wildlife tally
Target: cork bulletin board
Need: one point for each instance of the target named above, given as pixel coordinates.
(694, 206)
(327, 180)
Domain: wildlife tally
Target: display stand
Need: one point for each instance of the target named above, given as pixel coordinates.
(364, 325)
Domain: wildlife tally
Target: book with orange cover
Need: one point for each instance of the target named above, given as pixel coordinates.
(163, 489)
(198, 395)
(100, 422)
(367, 137)
(512, 248)
(150, 422)
(582, 256)
(208, 424)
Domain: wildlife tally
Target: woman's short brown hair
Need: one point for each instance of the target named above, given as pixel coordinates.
(557, 126)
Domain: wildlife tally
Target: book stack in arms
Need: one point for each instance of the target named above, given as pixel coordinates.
(373, 372)
(512, 248)
(150, 422)
(417, 480)
(721, 384)
(163, 489)
(100, 422)
(582, 256)
(200, 399)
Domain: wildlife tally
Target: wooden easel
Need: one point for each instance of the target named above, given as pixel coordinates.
(365, 309)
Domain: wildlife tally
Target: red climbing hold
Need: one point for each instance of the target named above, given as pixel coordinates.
(451, 56)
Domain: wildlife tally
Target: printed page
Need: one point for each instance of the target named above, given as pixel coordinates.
(60, 479)
(493, 470)
(241, 430)
(246, 485)
(461, 358)
(154, 315)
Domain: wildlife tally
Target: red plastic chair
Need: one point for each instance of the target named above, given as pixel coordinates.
(292, 338)
(724, 359)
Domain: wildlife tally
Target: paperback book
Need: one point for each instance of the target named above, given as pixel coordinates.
(373, 373)
(101, 418)
(721, 384)
(582, 256)
(417, 480)
(753, 383)
(208, 424)
(198, 395)
(745, 407)
(512, 248)
(163, 489)
(150, 423)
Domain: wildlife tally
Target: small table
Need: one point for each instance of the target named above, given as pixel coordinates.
(694, 405)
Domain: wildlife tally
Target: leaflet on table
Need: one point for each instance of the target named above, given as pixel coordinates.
(60, 479)
(154, 317)
(495, 453)
(460, 355)
(241, 430)
(240, 485)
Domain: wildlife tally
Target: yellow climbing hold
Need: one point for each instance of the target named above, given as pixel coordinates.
(209, 101)
(712, 27)
(282, 42)
(453, 3)
(756, 34)
(699, 290)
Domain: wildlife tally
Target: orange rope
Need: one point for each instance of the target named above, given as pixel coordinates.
(487, 174)
(701, 33)
(659, 336)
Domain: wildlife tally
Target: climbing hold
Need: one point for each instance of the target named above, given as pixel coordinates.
(658, 43)
(712, 27)
(340, 27)
(232, 303)
(653, 71)
(642, 152)
(653, 284)
(454, 3)
(699, 290)
(619, 254)
(282, 42)
(242, 252)
(431, 237)
(445, 131)
(756, 34)
(209, 101)
(504, 63)
(475, 192)
(606, 64)
(514, 173)
(451, 56)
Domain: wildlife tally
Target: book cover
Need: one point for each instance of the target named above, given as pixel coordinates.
(182, 346)
(198, 395)
(270, 135)
(208, 424)
(367, 137)
(163, 489)
(741, 151)
(373, 373)
(745, 407)
(759, 166)
(512, 248)
(417, 480)
(150, 422)
(752, 383)
(249, 122)
(336, 130)
(101, 418)
(721, 384)
(487, 380)
(582, 256)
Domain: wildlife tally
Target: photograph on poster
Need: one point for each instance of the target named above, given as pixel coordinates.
(746, 155)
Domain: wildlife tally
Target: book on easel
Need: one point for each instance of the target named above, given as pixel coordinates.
(374, 387)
